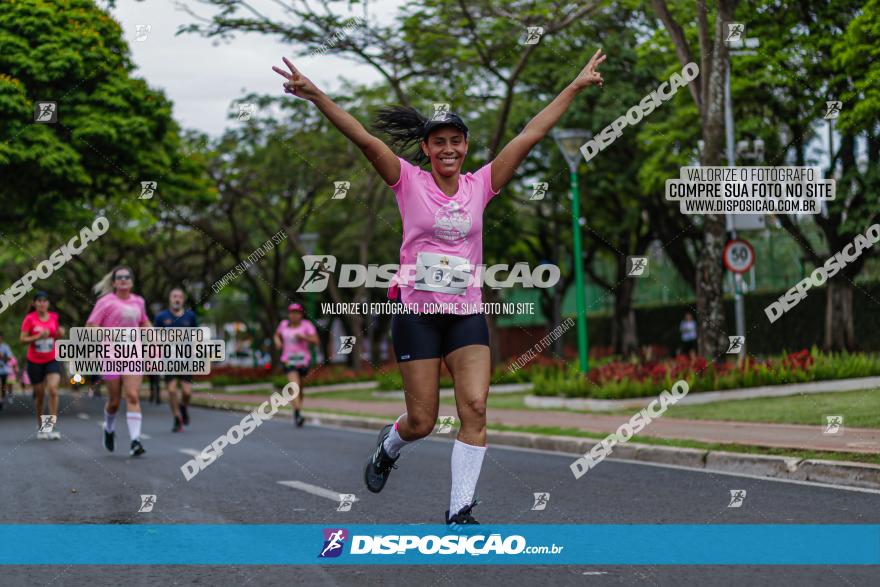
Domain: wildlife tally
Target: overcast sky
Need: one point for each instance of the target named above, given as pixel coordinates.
(203, 79)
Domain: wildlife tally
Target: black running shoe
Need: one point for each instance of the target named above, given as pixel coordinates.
(462, 517)
(137, 449)
(184, 415)
(380, 464)
(299, 420)
(178, 425)
(109, 440)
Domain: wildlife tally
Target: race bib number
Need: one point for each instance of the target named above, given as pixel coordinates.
(442, 273)
(296, 360)
(44, 345)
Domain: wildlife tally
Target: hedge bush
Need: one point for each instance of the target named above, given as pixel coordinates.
(620, 380)
(799, 328)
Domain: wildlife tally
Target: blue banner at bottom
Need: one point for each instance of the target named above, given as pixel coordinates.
(354, 544)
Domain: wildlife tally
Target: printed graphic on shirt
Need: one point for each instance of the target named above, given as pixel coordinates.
(452, 223)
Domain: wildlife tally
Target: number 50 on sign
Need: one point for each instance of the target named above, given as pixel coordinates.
(739, 256)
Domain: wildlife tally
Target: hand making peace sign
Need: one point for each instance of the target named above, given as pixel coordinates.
(297, 84)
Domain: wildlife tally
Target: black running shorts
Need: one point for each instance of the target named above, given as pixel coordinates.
(431, 336)
(303, 371)
(38, 371)
(179, 377)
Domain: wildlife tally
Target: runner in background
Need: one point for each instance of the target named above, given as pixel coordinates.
(293, 337)
(39, 330)
(176, 316)
(5, 370)
(118, 307)
(155, 389)
(26, 379)
(13, 374)
(688, 330)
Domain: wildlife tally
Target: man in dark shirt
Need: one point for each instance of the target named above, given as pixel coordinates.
(176, 316)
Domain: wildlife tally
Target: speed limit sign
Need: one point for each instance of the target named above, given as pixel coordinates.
(739, 256)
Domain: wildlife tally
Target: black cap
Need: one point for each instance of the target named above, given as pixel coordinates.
(444, 119)
(41, 294)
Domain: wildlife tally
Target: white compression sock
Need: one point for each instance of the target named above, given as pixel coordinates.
(393, 442)
(109, 421)
(133, 419)
(467, 460)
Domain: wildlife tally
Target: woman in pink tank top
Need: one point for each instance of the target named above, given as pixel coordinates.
(442, 214)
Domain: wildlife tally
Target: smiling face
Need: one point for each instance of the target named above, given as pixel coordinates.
(446, 147)
(41, 305)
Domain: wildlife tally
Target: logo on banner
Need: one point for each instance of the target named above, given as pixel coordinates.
(446, 424)
(318, 269)
(345, 502)
(834, 425)
(541, 501)
(737, 497)
(47, 424)
(346, 345)
(735, 344)
(147, 503)
(334, 541)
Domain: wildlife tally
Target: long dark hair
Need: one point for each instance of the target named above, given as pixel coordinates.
(405, 125)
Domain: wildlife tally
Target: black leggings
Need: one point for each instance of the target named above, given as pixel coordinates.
(431, 336)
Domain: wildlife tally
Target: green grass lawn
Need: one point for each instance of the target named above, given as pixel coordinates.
(860, 409)
(740, 448)
(499, 400)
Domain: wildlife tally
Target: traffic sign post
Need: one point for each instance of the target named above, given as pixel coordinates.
(739, 257)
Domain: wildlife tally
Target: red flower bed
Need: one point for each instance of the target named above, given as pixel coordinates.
(683, 365)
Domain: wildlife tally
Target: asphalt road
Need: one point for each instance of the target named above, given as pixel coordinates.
(75, 480)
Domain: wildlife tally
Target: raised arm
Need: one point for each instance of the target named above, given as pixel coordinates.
(512, 155)
(377, 152)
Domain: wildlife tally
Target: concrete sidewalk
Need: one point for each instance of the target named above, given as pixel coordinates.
(792, 436)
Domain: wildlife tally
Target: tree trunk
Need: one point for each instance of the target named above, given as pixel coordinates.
(839, 325)
(624, 336)
(709, 290)
(710, 275)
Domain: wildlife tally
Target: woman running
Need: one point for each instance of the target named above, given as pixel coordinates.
(118, 307)
(5, 370)
(39, 330)
(293, 337)
(442, 213)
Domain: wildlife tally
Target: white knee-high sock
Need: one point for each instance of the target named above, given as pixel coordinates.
(393, 442)
(467, 460)
(133, 419)
(109, 421)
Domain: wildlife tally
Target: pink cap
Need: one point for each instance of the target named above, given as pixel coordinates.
(295, 308)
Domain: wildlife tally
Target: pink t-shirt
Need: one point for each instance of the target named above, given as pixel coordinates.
(441, 233)
(112, 312)
(41, 350)
(294, 348)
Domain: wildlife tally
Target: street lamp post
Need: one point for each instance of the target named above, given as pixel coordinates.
(309, 241)
(569, 142)
(737, 47)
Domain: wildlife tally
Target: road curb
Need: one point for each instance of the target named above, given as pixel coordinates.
(844, 473)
